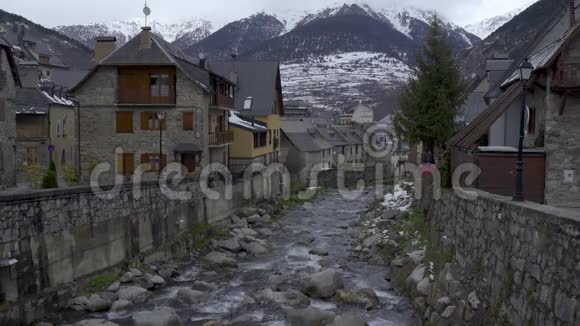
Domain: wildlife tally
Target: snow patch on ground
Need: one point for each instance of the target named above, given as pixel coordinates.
(334, 81)
(401, 198)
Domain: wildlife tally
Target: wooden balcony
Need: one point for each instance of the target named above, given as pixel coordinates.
(220, 138)
(221, 101)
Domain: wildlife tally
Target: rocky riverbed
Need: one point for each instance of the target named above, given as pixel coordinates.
(300, 269)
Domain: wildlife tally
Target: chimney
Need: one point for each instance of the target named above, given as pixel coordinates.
(145, 37)
(104, 46)
(572, 13)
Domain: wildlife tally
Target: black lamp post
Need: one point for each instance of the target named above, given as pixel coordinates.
(160, 117)
(525, 71)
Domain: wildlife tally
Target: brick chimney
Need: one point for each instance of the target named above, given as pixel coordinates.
(145, 37)
(104, 46)
(572, 13)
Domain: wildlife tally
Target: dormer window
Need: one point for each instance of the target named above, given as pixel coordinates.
(248, 103)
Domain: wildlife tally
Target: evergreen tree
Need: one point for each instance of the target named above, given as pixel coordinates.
(430, 100)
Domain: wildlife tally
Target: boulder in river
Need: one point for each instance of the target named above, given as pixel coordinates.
(161, 317)
(248, 211)
(218, 259)
(319, 252)
(310, 317)
(323, 284)
(253, 219)
(290, 298)
(121, 305)
(192, 296)
(98, 304)
(127, 277)
(95, 322)
(134, 294)
(114, 287)
(348, 319)
(229, 244)
(362, 297)
(253, 248)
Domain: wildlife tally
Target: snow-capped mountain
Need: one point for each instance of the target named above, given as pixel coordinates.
(487, 26)
(184, 34)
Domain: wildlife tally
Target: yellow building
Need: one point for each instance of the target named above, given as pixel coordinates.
(258, 107)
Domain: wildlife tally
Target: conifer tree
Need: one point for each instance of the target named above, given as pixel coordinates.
(430, 100)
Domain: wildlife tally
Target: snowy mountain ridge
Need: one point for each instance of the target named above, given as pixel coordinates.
(486, 27)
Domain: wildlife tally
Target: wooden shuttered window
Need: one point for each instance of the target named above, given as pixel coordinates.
(532, 121)
(188, 120)
(149, 121)
(125, 163)
(152, 162)
(124, 122)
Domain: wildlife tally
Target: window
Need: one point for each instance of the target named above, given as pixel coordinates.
(248, 103)
(532, 121)
(31, 156)
(126, 163)
(124, 122)
(188, 120)
(260, 139)
(152, 162)
(149, 121)
(160, 85)
(64, 127)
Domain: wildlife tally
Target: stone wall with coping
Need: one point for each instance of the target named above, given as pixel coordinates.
(522, 258)
(61, 236)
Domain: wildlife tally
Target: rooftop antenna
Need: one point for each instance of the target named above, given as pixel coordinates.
(146, 11)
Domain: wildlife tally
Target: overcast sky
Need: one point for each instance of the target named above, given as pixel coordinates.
(65, 12)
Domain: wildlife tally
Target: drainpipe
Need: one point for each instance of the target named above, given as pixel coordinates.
(78, 105)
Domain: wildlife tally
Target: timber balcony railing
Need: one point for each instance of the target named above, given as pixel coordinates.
(219, 138)
(221, 101)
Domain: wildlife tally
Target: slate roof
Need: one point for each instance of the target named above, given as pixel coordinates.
(68, 78)
(255, 79)
(554, 31)
(304, 135)
(159, 53)
(349, 134)
(30, 100)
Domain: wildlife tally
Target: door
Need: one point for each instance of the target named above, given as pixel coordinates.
(188, 160)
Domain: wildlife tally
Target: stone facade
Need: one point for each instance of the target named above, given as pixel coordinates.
(521, 258)
(7, 124)
(562, 145)
(98, 136)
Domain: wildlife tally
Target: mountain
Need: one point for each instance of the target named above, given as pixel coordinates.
(487, 26)
(63, 50)
(238, 37)
(183, 34)
(515, 36)
(343, 55)
(359, 28)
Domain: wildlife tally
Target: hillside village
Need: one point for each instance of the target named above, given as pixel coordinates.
(186, 174)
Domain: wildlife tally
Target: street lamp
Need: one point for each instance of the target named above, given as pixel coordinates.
(160, 118)
(525, 70)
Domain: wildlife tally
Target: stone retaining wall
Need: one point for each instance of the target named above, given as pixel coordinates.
(521, 258)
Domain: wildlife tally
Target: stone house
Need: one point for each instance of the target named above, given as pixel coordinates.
(552, 122)
(9, 83)
(303, 148)
(258, 101)
(44, 118)
(141, 99)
